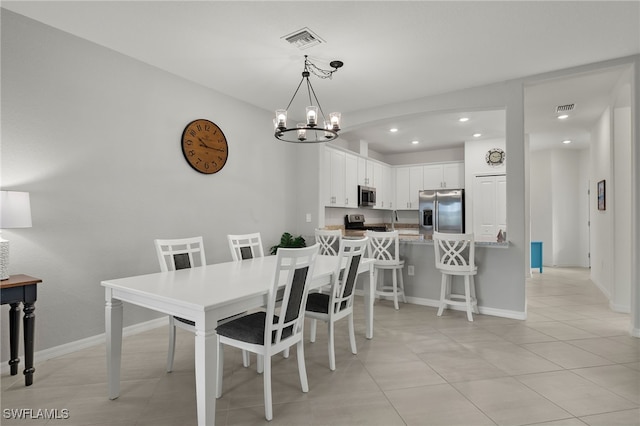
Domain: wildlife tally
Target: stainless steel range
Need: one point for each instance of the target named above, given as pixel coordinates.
(356, 222)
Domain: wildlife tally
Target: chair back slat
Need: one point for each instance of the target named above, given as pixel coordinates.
(384, 247)
(350, 254)
(329, 241)
(245, 246)
(454, 252)
(294, 270)
(180, 253)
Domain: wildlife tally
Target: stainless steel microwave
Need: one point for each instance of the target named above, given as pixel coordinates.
(366, 196)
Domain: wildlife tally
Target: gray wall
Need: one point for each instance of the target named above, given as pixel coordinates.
(94, 136)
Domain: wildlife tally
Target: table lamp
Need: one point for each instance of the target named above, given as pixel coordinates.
(15, 212)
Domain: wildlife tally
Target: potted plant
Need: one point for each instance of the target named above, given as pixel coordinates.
(288, 241)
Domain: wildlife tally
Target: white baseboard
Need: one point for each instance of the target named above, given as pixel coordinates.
(503, 313)
(71, 347)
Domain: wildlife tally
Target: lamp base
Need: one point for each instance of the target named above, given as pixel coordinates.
(4, 259)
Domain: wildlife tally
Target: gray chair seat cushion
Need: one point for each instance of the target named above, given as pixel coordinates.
(318, 302)
(249, 328)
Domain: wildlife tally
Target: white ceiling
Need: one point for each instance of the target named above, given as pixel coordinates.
(393, 51)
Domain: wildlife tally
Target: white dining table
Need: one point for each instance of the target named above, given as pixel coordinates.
(205, 295)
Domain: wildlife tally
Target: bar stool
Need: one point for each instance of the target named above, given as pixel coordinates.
(329, 240)
(384, 248)
(455, 255)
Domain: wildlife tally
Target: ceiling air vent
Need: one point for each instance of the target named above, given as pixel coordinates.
(565, 108)
(303, 38)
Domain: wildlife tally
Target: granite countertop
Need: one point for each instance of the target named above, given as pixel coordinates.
(409, 234)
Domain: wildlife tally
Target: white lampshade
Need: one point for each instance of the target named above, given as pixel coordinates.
(15, 210)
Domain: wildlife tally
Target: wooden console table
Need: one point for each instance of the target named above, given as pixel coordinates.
(15, 290)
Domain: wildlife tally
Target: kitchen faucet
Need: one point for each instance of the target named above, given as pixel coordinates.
(394, 219)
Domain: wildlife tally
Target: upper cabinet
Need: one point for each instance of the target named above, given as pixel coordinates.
(409, 181)
(440, 176)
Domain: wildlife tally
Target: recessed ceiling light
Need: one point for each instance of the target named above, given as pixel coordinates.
(566, 141)
(463, 119)
(477, 135)
(563, 117)
(415, 142)
(393, 130)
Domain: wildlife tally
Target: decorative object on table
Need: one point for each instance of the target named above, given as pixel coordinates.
(500, 238)
(204, 146)
(15, 212)
(317, 128)
(288, 241)
(495, 157)
(602, 199)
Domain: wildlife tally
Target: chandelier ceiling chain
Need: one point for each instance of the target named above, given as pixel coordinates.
(310, 131)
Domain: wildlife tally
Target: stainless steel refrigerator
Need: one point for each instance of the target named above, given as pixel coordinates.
(441, 211)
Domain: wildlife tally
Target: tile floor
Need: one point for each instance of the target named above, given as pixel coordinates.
(571, 363)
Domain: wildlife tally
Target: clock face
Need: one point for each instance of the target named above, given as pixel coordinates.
(204, 146)
(495, 157)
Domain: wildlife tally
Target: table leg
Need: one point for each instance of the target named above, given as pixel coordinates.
(14, 334)
(113, 325)
(369, 297)
(206, 377)
(29, 332)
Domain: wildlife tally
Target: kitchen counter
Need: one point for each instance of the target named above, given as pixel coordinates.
(411, 235)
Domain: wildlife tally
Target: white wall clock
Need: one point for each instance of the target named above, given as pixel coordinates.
(495, 157)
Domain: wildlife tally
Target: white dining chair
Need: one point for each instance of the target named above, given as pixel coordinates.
(329, 240)
(455, 255)
(268, 333)
(176, 254)
(338, 303)
(245, 246)
(384, 248)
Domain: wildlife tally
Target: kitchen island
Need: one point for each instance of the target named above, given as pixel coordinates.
(494, 290)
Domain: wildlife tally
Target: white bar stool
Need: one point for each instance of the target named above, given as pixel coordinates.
(455, 255)
(384, 248)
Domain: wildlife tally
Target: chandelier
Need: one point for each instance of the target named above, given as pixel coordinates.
(317, 128)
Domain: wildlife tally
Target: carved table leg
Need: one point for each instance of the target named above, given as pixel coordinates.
(29, 331)
(14, 333)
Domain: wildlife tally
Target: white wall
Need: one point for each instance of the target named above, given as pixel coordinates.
(601, 220)
(541, 184)
(94, 136)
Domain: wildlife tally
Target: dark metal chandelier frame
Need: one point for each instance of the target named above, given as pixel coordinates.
(312, 131)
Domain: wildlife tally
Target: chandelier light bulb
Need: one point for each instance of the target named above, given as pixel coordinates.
(281, 118)
(312, 116)
(335, 120)
(302, 132)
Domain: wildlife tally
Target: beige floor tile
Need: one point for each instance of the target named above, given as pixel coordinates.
(508, 402)
(436, 405)
(617, 418)
(619, 379)
(457, 366)
(575, 394)
(512, 359)
(403, 374)
(566, 355)
(609, 348)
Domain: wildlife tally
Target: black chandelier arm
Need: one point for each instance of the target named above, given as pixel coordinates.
(296, 92)
(319, 72)
(310, 88)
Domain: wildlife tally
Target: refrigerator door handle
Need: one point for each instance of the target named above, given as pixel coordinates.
(436, 212)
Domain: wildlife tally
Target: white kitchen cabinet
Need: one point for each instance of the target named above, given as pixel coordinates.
(447, 175)
(384, 193)
(341, 174)
(336, 167)
(409, 181)
(489, 207)
(351, 180)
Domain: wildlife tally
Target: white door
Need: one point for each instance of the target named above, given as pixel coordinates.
(489, 207)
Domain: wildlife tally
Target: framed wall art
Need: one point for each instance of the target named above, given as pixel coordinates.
(602, 199)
